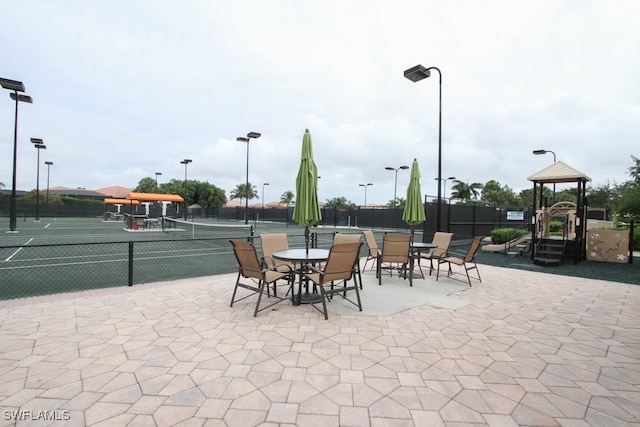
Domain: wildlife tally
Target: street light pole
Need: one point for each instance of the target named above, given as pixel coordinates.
(157, 173)
(49, 164)
(539, 152)
(444, 192)
(365, 192)
(415, 74)
(246, 139)
(16, 87)
(185, 162)
(39, 145)
(395, 186)
(263, 184)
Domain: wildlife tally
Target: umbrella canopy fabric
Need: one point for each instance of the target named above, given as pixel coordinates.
(306, 211)
(413, 209)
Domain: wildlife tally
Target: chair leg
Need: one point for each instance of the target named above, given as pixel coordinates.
(260, 292)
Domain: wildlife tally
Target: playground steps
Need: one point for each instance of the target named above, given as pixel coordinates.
(549, 252)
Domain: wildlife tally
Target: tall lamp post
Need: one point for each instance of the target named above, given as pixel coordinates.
(365, 192)
(39, 145)
(246, 139)
(444, 192)
(16, 87)
(395, 186)
(157, 174)
(415, 74)
(539, 152)
(263, 184)
(49, 164)
(185, 162)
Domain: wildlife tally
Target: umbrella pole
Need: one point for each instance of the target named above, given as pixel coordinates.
(306, 238)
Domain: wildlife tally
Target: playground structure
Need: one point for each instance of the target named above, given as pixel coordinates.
(564, 212)
(549, 250)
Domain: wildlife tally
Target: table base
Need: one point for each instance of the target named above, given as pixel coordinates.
(309, 298)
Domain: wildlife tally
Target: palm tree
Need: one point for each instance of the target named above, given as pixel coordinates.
(244, 191)
(287, 198)
(634, 171)
(464, 191)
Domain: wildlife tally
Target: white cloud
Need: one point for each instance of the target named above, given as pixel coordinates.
(126, 89)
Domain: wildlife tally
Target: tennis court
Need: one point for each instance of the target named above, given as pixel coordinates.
(72, 254)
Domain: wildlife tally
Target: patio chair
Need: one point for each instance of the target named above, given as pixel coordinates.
(394, 255)
(443, 240)
(273, 242)
(374, 251)
(340, 267)
(350, 238)
(465, 261)
(259, 275)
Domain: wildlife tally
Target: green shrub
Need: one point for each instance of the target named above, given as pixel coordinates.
(555, 225)
(636, 238)
(502, 235)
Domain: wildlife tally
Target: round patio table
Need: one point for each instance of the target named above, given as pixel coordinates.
(301, 260)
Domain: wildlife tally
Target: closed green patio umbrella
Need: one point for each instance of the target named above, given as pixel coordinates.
(414, 209)
(306, 211)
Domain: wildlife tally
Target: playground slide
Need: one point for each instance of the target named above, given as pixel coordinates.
(510, 244)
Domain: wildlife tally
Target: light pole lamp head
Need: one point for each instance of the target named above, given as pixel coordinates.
(452, 177)
(186, 161)
(48, 163)
(242, 139)
(12, 85)
(389, 168)
(21, 98)
(37, 141)
(254, 135)
(158, 173)
(417, 73)
(40, 146)
(266, 183)
(538, 152)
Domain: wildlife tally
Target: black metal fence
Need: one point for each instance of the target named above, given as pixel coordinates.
(464, 220)
(33, 270)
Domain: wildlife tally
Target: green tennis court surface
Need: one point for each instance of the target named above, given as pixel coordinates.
(71, 254)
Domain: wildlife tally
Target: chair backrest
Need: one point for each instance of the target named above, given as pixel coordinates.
(370, 240)
(247, 258)
(341, 262)
(475, 244)
(345, 238)
(395, 247)
(273, 242)
(443, 240)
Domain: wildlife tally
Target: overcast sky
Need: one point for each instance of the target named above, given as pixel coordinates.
(123, 89)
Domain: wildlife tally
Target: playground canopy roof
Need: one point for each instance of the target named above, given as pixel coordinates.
(111, 201)
(154, 197)
(558, 172)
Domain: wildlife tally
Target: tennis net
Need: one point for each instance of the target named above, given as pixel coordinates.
(202, 230)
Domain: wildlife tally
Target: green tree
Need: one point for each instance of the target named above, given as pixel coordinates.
(526, 196)
(287, 198)
(399, 203)
(600, 196)
(146, 185)
(244, 191)
(340, 202)
(634, 171)
(627, 202)
(201, 193)
(465, 191)
(494, 192)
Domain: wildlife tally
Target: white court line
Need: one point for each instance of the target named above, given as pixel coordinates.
(47, 226)
(16, 252)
